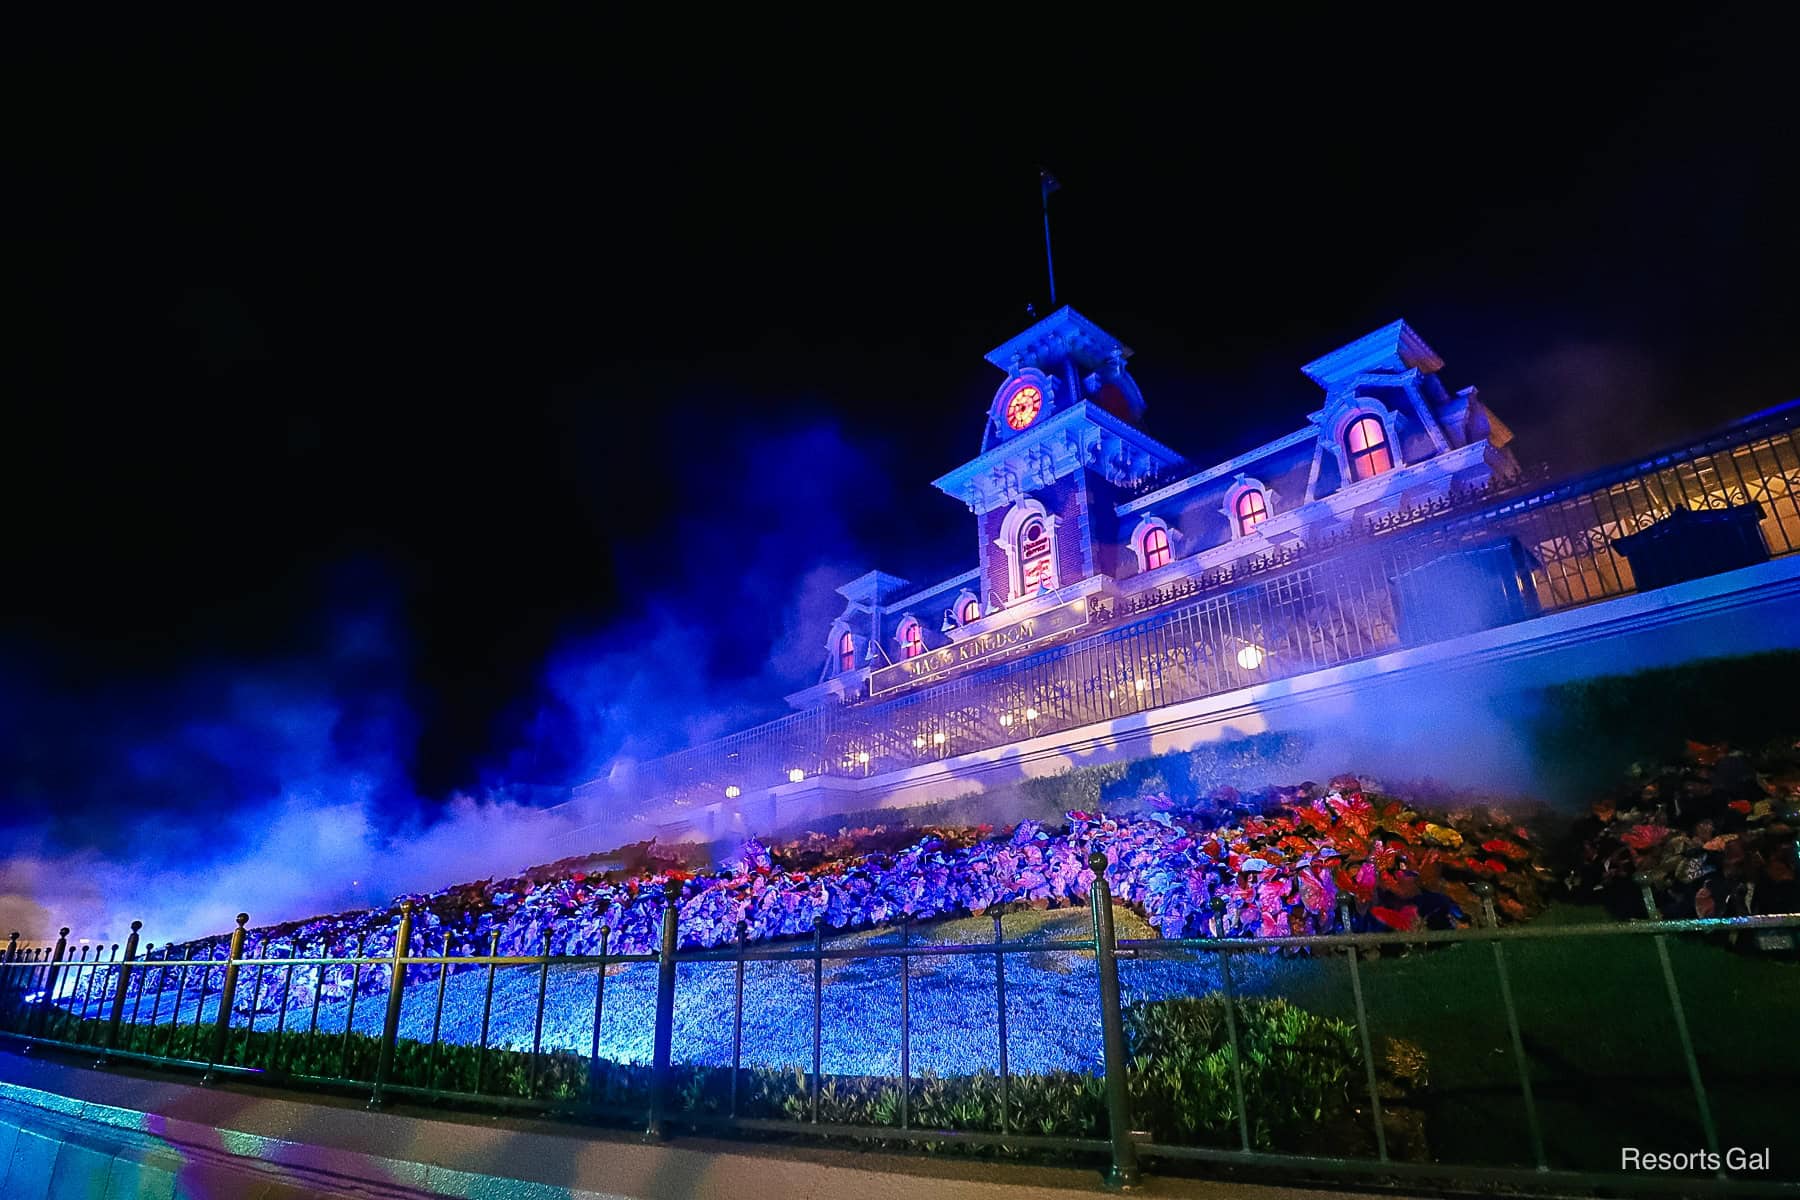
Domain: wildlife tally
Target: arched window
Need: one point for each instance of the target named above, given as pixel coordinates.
(1156, 547)
(912, 640)
(971, 612)
(1368, 446)
(1037, 563)
(846, 653)
(1252, 510)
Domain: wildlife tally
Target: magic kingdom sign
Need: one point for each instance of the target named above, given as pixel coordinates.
(1037, 628)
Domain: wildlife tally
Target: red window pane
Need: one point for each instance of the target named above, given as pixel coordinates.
(912, 642)
(1252, 510)
(846, 653)
(971, 612)
(1368, 446)
(1156, 549)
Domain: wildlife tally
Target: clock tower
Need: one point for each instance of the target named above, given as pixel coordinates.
(1060, 449)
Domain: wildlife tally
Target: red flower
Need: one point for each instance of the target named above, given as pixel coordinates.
(1355, 883)
(1642, 837)
(1396, 918)
(1704, 754)
(1742, 806)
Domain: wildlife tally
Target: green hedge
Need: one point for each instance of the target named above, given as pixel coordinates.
(1300, 1071)
(1589, 733)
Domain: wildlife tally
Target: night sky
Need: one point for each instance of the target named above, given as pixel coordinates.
(509, 394)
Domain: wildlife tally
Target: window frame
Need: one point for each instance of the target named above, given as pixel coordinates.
(1248, 521)
(1371, 452)
(911, 636)
(1158, 550)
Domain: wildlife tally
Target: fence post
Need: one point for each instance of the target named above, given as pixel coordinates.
(390, 1028)
(737, 1016)
(227, 997)
(1124, 1173)
(50, 980)
(660, 1086)
(14, 987)
(117, 1018)
(1485, 890)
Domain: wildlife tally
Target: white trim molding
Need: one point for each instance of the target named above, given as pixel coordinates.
(1016, 519)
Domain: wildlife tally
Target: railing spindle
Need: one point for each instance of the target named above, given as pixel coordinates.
(905, 1023)
(1235, 1038)
(362, 941)
(287, 992)
(818, 1030)
(1000, 997)
(437, 1016)
(661, 1088)
(487, 1011)
(537, 1022)
(1485, 891)
(594, 1069)
(737, 1015)
(1368, 1049)
(1707, 1128)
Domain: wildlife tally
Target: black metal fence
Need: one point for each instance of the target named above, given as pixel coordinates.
(1309, 608)
(116, 1004)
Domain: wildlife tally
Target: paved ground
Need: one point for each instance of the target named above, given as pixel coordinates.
(71, 1131)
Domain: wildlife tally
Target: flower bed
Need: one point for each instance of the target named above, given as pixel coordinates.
(1714, 834)
(1275, 864)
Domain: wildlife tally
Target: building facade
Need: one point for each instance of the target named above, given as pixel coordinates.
(1120, 599)
(1080, 516)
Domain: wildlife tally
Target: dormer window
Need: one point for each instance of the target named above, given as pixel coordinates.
(912, 639)
(1156, 548)
(1367, 444)
(846, 653)
(1252, 510)
(970, 612)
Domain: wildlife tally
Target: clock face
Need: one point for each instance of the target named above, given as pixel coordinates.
(1023, 405)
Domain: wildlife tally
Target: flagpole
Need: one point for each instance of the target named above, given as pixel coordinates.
(1048, 184)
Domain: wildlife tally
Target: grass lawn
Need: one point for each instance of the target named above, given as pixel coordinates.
(1606, 1063)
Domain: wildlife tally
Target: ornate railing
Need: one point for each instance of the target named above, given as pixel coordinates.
(1406, 579)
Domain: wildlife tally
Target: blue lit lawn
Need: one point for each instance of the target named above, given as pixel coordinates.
(1053, 1010)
